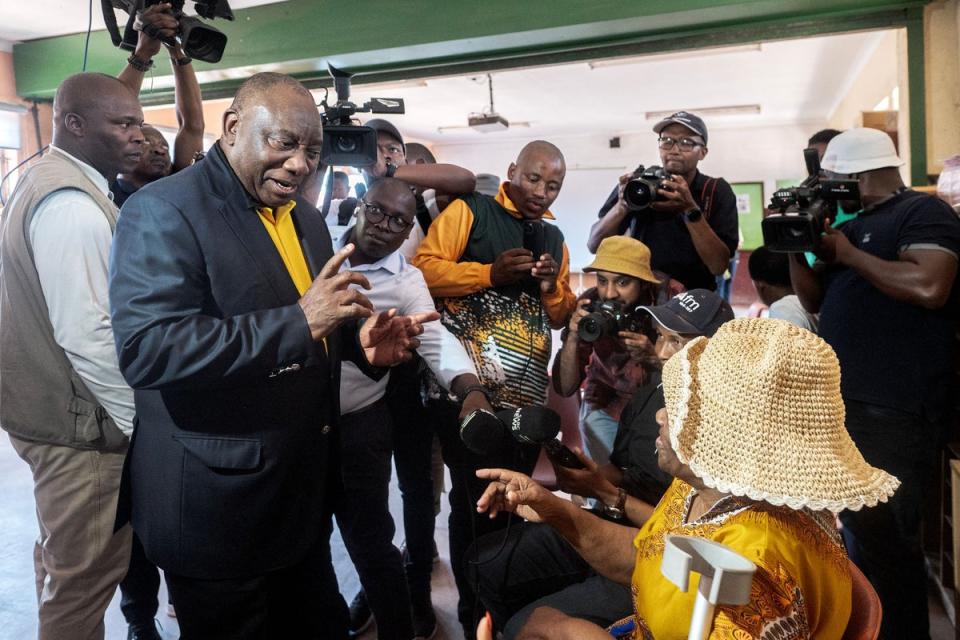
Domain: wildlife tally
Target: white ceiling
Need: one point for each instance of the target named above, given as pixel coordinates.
(21, 21)
(791, 81)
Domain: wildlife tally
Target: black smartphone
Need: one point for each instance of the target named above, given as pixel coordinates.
(533, 238)
(561, 455)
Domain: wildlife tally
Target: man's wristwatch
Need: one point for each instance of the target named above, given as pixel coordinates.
(139, 64)
(693, 215)
(617, 510)
(475, 387)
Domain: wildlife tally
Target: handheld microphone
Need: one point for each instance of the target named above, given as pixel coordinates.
(531, 425)
(482, 432)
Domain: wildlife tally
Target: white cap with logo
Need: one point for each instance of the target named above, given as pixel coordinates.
(859, 150)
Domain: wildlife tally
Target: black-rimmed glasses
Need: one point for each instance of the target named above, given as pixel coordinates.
(375, 215)
(686, 144)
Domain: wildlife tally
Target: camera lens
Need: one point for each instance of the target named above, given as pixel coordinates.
(589, 329)
(638, 194)
(346, 144)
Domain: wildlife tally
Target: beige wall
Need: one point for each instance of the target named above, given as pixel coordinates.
(8, 93)
(942, 52)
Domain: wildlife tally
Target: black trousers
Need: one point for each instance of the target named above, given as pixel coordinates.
(412, 454)
(536, 567)
(366, 446)
(465, 524)
(138, 589)
(302, 601)
(884, 541)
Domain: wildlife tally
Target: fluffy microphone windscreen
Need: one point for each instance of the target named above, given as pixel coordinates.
(531, 425)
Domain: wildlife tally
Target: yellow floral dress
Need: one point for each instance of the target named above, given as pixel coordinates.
(801, 589)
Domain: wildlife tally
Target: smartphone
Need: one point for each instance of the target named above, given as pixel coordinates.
(561, 455)
(533, 238)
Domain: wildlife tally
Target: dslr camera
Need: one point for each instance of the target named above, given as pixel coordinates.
(800, 211)
(606, 318)
(346, 144)
(198, 39)
(641, 191)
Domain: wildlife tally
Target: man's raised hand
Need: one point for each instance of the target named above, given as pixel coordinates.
(388, 339)
(329, 302)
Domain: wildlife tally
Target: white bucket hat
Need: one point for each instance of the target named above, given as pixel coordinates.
(859, 150)
(756, 411)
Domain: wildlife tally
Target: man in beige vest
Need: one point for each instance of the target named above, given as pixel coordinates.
(63, 402)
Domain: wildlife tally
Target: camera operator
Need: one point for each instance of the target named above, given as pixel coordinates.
(886, 293)
(157, 23)
(692, 229)
(535, 567)
(501, 301)
(614, 364)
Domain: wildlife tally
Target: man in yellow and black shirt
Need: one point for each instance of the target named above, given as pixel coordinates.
(501, 301)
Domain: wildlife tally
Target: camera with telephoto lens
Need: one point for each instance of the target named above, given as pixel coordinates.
(641, 191)
(606, 318)
(800, 212)
(198, 39)
(345, 143)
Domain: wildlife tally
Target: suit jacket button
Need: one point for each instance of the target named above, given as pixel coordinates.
(325, 430)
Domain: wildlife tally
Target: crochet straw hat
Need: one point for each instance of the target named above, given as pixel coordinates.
(756, 411)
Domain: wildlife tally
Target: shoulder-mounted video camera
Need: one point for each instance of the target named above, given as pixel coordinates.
(641, 191)
(346, 144)
(801, 211)
(606, 319)
(198, 39)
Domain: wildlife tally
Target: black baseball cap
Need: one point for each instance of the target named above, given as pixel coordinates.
(689, 120)
(697, 312)
(382, 126)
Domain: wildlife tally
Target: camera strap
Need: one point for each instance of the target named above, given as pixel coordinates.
(706, 201)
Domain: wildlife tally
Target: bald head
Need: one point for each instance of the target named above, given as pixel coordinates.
(96, 118)
(541, 150)
(262, 88)
(535, 178)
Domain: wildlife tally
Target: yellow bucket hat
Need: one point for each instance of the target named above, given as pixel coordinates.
(622, 254)
(756, 411)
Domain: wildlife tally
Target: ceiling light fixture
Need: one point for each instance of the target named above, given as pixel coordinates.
(728, 110)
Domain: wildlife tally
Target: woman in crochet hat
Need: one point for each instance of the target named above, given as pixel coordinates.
(753, 433)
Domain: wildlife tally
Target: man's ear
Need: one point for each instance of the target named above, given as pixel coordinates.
(231, 122)
(703, 152)
(75, 123)
(512, 170)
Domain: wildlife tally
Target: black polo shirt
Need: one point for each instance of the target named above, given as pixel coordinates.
(893, 354)
(667, 236)
(121, 190)
(633, 448)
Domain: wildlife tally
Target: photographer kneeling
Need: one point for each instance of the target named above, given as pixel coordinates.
(608, 349)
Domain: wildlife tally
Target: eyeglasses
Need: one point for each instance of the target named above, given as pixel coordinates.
(375, 215)
(686, 144)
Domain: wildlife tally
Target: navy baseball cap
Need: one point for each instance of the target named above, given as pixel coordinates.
(689, 120)
(698, 312)
(382, 126)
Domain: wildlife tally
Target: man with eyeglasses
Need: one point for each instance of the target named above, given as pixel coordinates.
(692, 230)
(386, 216)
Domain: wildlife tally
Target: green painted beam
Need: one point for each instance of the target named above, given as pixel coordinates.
(389, 39)
(917, 101)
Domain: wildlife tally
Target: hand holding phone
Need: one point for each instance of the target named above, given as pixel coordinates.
(561, 455)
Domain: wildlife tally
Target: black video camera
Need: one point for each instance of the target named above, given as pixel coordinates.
(606, 318)
(801, 211)
(198, 39)
(641, 191)
(346, 144)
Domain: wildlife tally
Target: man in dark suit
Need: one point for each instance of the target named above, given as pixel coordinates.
(231, 321)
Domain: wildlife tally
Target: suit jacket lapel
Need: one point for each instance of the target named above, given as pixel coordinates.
(239, 212)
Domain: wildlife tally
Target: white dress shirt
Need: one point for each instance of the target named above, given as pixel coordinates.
(397, 284)
(71, 250)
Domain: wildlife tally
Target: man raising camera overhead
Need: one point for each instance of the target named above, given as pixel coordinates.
(603, 341)
(691, 224)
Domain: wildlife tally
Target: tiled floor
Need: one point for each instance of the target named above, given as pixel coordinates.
(18, 601)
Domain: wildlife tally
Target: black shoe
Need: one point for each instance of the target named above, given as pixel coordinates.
(424, 619)
(360, 614)
(143, 631)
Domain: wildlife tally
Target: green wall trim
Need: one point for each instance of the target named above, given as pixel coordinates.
(916, 82)
(384, 39)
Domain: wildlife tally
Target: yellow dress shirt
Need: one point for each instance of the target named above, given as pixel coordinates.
(280, 226)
